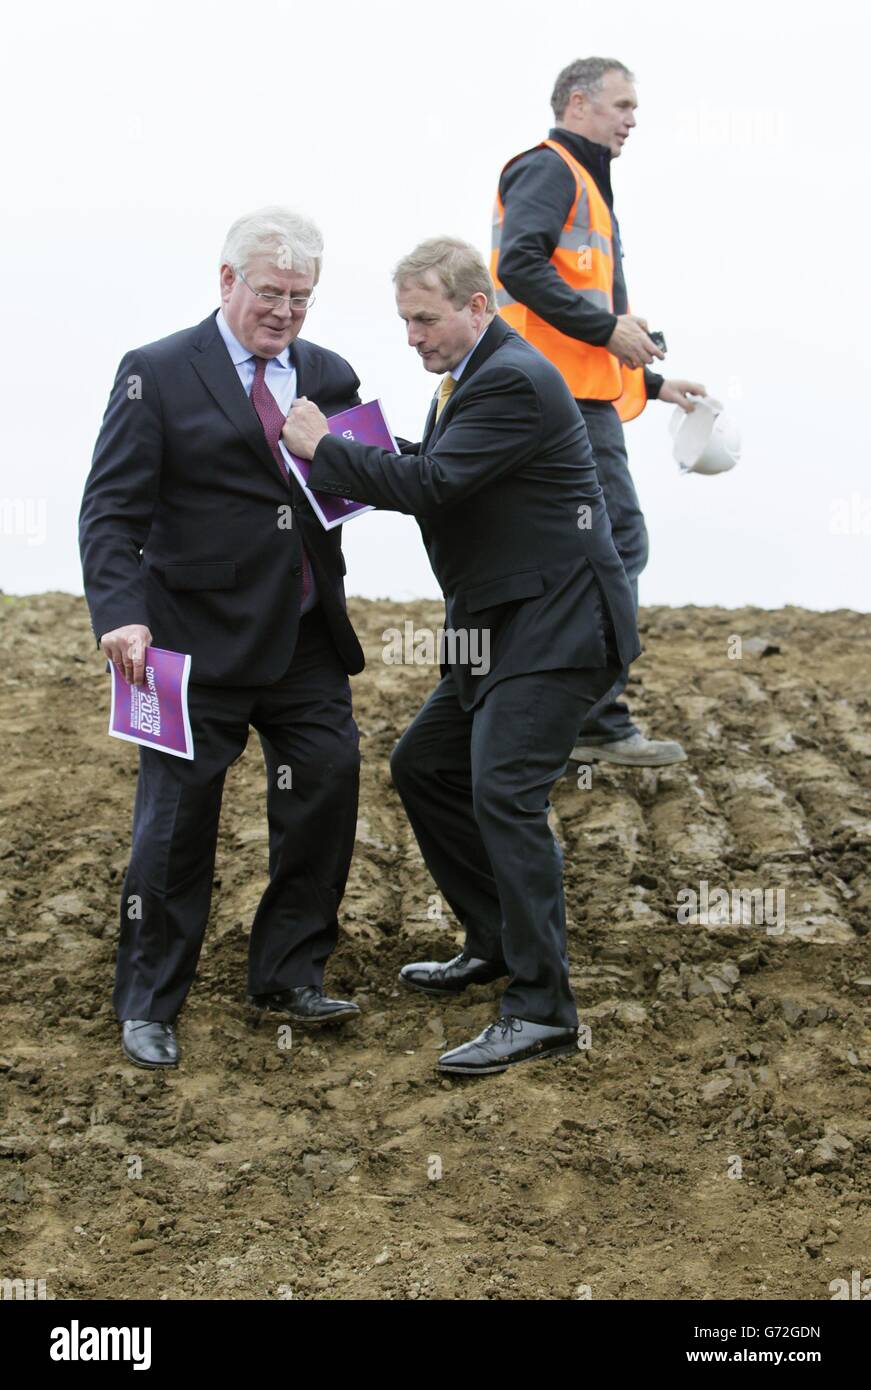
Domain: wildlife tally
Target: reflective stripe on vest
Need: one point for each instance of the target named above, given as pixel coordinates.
(584, 258)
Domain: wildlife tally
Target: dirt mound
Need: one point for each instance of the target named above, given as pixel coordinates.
(713, 1140)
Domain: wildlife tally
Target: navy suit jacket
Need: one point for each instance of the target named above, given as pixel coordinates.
(189, 525)
(505, 490)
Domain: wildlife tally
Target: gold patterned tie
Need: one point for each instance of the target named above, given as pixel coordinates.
(447, 386)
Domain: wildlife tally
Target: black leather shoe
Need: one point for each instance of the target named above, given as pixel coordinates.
(149, 1045)
(505, 1043)
(451, 976)
(308, 1005)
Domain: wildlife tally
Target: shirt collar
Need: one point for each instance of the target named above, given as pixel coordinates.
(457, 371)
(238, 352)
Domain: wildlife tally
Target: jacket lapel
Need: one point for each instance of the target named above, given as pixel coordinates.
(430, 421)
(306, 384)
(211, 361)
(302, 362)
(489, 342)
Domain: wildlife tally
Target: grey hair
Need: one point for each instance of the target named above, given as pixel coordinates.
(584, 75)
(291, 241)
(459, 266)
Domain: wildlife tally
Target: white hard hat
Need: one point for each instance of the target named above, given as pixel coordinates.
(705, 439)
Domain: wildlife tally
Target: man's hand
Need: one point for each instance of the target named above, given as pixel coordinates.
(125, 648)
(630, 344)
(304, 428)
(678, 392)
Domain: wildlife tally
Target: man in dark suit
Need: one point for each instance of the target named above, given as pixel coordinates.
(195, 538)
(539, 621)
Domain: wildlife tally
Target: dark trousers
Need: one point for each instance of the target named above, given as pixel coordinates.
(311, 750)
(630, 539)
(475, 785)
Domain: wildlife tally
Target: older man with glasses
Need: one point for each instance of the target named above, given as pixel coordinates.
(195, 537)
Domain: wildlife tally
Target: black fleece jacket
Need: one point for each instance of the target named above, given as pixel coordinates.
(537, 191)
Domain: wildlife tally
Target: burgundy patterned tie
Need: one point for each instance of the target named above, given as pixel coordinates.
(272, 419)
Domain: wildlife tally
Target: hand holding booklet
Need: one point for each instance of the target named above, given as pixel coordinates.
(366, 424)
(155, 714)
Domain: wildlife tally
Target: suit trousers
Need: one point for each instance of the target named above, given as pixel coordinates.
(605, 429)
(475, 785)
(311, 751)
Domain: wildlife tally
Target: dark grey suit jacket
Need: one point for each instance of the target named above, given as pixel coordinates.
(505, 490)
(184, 518)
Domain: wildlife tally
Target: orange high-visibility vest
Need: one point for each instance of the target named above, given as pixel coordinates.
(584, 258)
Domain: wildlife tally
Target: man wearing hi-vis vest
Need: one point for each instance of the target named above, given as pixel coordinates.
(556, 262)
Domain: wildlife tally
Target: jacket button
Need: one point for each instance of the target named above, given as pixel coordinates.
(297, 569)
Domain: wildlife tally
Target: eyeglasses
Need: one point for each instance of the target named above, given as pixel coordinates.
(298, 302)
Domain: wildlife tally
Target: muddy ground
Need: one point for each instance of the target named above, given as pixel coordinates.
(712, 1141)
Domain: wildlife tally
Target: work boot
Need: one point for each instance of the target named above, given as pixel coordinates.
(634, 751)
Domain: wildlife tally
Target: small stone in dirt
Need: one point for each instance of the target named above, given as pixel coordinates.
(749, 962)
(760, 646)
(16, 1146)
(698, 986)
(68, 905)
(18, 1190)
(818, 1014)
(792, 1011)
(829, 1152)
(863, 984)
(712, 1091)
(383, 1258)
(142, 1247)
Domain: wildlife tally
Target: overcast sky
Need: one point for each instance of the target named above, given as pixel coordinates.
(135, 135)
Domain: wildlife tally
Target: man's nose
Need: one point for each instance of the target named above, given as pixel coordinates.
(414, 337)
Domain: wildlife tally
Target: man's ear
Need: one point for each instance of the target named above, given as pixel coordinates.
(577, 103)
(227, 281)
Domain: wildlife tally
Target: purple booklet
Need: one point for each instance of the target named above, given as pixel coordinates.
(367, 425)
(155, 714)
